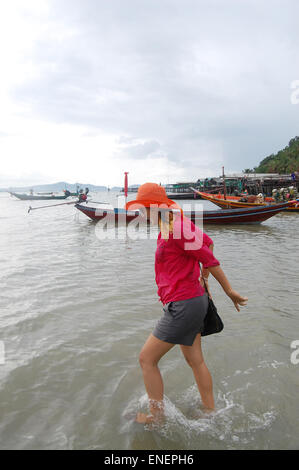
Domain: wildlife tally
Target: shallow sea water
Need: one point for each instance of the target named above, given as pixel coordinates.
(76, 310)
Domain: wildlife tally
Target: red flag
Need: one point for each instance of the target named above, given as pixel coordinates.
(126, 184)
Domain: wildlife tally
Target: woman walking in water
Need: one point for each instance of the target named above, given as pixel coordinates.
(181, 246)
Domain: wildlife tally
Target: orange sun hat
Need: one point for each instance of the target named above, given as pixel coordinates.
(151, 194)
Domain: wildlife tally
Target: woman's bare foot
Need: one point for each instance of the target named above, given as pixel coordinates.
(208, 411)
(203, 412)
(143, 418)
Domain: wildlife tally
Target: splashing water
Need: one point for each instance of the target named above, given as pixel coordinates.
(229, 426)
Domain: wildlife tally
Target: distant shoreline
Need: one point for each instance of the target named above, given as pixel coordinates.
(59, 187)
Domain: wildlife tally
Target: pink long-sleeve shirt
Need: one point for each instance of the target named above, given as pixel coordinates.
(177, 261)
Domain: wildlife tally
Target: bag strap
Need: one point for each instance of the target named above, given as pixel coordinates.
(203, 280)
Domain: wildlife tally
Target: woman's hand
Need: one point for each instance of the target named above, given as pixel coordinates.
(237, 299)
(219, 275)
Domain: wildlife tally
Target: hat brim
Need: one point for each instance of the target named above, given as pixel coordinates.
(166, 205)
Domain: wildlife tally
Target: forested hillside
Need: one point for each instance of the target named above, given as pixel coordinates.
(284, 161)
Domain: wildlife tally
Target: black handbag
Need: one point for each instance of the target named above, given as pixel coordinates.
(212, 322)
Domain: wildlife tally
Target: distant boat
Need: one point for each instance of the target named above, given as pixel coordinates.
(253, 215)
(39, 197)
(73, 194)
(45, 194)
(183, 195)
(189, 194)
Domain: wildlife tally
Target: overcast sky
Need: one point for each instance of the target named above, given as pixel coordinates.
(168, 90)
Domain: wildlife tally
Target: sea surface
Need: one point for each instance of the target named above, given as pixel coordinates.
(76, 309)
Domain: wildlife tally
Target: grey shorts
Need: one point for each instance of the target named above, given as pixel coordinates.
(182, 320)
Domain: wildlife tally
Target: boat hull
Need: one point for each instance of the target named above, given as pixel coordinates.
(96, 214)
(28, 197)
(227, 216)
(243, 215)
(294, 208)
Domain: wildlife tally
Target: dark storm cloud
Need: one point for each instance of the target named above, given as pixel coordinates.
(193, 77)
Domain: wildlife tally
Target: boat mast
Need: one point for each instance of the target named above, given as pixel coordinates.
(126, 187)
(224, 185)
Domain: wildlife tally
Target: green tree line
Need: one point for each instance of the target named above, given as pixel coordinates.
(284, 162)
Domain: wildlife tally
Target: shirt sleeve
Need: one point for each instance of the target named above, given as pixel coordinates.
(194, 242)
(207, 240)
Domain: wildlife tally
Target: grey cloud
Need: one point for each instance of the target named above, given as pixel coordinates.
(205, 78)
(143, 150)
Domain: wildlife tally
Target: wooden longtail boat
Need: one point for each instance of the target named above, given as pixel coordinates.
(32, 197)
(233, 202)
(228, 203)
(235, 198)
(253, 215)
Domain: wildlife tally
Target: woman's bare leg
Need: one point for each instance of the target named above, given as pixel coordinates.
(150, 355)
(194, 357)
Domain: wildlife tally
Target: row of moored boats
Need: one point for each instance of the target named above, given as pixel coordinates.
(236, 210)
